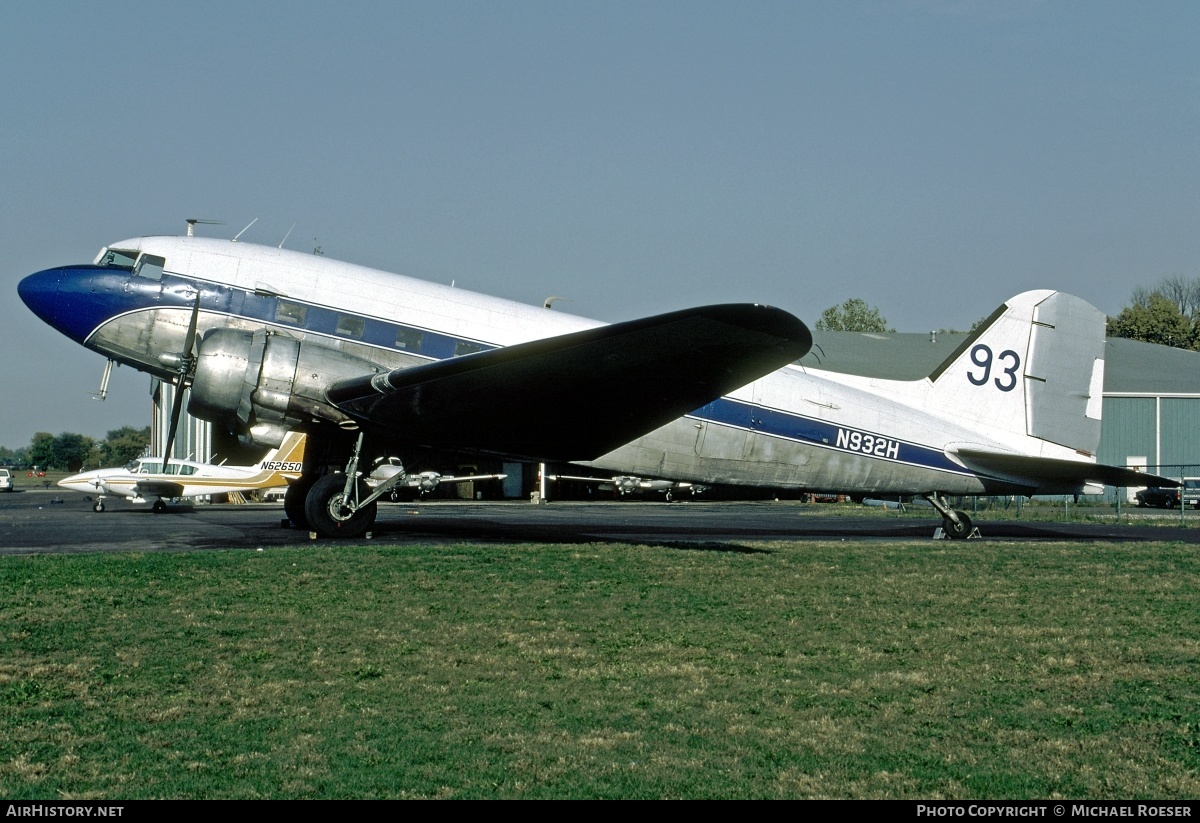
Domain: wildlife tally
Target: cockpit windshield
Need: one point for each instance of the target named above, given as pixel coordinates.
(143, 265)
(116, 258)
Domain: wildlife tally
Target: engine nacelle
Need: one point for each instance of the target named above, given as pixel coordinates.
(260, 385)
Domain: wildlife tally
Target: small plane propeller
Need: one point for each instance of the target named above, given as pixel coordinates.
(185, 364)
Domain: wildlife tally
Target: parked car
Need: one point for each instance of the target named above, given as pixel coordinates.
(1164, 498)
(6, 481)
(1191, 492)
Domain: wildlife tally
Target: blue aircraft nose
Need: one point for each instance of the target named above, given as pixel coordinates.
(40, 293)
(76, 300)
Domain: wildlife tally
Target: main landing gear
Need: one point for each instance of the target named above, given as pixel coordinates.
(955, 524)
(339, 504)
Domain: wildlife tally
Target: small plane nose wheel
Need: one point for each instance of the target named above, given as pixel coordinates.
(98, 506)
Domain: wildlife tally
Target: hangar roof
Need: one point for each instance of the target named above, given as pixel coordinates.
(1129, 366)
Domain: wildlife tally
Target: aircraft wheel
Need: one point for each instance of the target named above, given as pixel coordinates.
(159, 506)
(293, 501)
(959, 530)
(98, 506)
(326, 514)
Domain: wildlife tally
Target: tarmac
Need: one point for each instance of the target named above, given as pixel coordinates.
(57, 521)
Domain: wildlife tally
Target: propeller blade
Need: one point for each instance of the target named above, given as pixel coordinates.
(189, 341)
(185, 371)
(176, 408)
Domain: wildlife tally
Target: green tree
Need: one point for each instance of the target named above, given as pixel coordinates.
(853, 315)
(1155, 318)
(71, 451)
(14, 457)
(124, 444)
(41, 449)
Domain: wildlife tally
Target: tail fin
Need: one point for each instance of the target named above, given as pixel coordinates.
(285, 463)
(1035, 367)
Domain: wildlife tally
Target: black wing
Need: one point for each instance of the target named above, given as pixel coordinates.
(581, 395)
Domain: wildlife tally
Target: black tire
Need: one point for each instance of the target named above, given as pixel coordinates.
(957, 531)
(159, 506)
(1169, 504)
(325, 514)
(294, 499)
(98, 506)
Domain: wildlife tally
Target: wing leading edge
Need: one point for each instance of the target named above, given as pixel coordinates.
(580, 395)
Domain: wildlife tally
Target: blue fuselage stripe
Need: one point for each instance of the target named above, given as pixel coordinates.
(821, 434)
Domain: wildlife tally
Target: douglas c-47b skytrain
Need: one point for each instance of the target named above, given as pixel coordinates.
(372, 364)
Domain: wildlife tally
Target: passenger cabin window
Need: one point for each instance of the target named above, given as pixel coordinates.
(288, 312)
(408, 339)
(351, 326)
(463, 347)
(117, 258)
(150, 267)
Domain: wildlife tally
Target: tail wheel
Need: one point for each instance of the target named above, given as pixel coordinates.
(294, 499)
(959, 530)
(330, 514)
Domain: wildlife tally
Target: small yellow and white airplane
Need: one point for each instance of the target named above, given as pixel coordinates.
(144, 479)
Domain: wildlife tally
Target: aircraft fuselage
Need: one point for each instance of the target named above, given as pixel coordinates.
(794, 428)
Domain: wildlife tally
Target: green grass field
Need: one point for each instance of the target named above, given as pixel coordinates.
(864, 669)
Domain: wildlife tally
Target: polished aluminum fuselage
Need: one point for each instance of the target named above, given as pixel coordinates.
(795, 428)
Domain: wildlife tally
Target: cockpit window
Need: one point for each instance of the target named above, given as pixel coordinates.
(150, 267)
(116, 258)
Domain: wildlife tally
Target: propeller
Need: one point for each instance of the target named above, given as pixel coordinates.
(184, 364)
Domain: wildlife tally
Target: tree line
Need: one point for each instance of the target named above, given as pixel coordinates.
(1167, 314)
(69, 451)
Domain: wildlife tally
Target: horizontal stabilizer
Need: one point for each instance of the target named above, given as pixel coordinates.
(1048, 475)
(577, 396)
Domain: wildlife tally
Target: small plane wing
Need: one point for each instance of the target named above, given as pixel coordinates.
(158, 488)
(577, 396)
(1037, 472)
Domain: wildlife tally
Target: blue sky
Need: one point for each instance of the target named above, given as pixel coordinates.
(933, 158)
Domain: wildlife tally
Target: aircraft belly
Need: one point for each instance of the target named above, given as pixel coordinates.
(706, 452)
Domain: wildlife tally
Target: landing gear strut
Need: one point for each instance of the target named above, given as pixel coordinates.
(333, 506)
(955, 524)
(341, 504)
